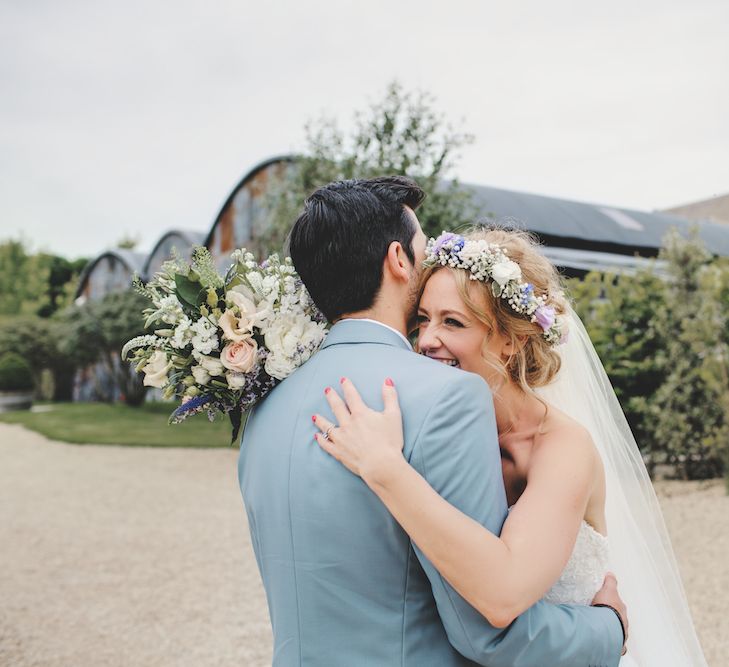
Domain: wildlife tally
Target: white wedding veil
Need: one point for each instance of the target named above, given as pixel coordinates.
(661, 629)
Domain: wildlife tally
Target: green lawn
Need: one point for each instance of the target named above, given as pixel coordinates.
(100, 423)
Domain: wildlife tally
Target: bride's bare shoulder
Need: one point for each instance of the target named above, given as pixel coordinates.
(564, 437)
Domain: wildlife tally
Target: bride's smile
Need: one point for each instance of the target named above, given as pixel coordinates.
(449, 333)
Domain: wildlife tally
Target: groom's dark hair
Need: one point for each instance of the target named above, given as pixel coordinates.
(340, 240)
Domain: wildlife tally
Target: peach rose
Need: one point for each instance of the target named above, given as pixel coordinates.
(240, 356)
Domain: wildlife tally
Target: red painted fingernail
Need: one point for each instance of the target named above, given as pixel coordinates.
(341, 381)
(389, 382)
(313, 418)
(327, 390)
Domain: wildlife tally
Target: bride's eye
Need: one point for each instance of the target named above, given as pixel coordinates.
(449, 321)
(421, 319)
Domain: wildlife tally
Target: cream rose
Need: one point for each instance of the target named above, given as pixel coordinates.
(240, 356)
(211, 365)
(155, 370)
(234, 329)
(200, 374)
(235, 380)
(249, 316)
(505, 271)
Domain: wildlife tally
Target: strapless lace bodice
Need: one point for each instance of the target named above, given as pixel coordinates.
(585, 571)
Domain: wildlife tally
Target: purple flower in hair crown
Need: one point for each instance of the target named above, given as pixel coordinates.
(545, 317)
(489, 262)
(449, 241)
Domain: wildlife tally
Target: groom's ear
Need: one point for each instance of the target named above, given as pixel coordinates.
(397, 263)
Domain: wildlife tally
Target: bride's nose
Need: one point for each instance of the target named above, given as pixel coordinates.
(428, 340)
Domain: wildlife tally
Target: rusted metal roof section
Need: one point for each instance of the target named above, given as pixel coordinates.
(111, 271)
(182, 240)
(242, 215)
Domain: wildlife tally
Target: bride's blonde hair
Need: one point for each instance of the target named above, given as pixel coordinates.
(534, 362)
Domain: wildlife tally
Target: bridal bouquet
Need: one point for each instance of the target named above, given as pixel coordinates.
(220, 344)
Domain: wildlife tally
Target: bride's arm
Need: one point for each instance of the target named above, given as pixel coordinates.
(499, 576)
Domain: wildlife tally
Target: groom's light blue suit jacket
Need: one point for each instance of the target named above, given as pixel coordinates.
(345, 585)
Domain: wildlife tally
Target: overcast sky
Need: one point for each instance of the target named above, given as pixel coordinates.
(130, 118)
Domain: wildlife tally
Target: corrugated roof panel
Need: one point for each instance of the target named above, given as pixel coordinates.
(577, 220)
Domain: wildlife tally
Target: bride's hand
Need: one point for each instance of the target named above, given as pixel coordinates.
(367, 442)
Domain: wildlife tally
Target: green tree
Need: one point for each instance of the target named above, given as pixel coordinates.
(128, 242)
(94, 333)
(63, 275)
(663, 337)
(401, 134)
(35, 339)
(691, 407)
(23, 280)
(35, 284)
(621, 314)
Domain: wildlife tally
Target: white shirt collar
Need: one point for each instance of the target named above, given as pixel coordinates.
(382, 324)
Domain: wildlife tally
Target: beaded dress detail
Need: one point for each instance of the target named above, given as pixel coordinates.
(585, 571)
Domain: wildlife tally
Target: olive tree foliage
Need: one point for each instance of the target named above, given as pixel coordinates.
(401, 134)
(663, 337)
(94, 333)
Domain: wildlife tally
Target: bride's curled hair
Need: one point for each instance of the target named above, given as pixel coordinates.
(534, 362)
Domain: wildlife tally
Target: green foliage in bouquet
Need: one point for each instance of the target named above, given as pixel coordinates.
(400, 134)
(15, 373)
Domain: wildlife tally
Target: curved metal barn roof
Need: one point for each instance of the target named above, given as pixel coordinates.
(574, 224)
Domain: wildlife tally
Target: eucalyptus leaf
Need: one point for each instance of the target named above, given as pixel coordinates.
(189, 291)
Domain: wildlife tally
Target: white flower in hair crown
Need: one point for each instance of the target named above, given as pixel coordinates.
(489, 262)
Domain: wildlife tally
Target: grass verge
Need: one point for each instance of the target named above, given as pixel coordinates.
(104, 424)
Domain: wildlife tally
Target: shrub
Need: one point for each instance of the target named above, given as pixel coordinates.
(663, 338)
(15, 373)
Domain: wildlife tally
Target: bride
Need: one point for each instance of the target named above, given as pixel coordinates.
(491, 304)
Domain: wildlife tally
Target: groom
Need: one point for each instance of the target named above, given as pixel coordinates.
(345, 586)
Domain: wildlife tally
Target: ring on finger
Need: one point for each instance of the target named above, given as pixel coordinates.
(327, 432)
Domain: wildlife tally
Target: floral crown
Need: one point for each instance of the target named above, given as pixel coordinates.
(489, 262)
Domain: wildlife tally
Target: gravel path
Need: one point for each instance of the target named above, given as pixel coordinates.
(126, 556)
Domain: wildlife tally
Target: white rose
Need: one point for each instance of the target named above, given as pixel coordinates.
(235, 380)
(211, 364)
(472, 250)
(155, 370)
(505, 271)
(279, 367)
(246, 291)
(200, 374)
(283, 335)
